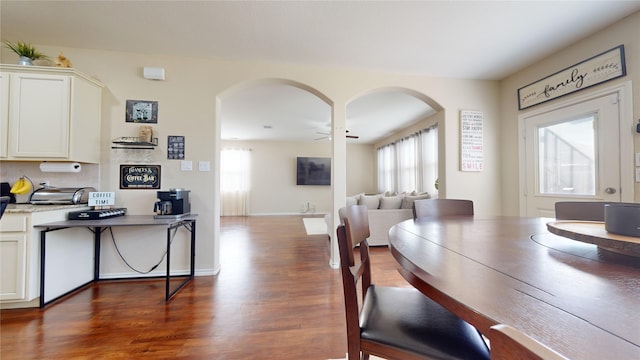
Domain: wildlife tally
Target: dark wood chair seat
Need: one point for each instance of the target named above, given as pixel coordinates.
(394, 322)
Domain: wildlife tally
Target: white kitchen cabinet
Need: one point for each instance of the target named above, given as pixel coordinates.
(52, 114)
(14, 235)
(20, 257)
(4, 113)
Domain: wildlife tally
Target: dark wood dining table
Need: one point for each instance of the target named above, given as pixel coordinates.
(581, 301)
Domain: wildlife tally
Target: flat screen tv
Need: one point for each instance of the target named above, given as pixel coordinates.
(313, 171)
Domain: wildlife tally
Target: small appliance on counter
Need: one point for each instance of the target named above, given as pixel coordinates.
(61, 196)
(5, 190)
(172, 204)
(96, 214)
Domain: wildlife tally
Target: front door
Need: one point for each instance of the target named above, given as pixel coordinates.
(572, 154)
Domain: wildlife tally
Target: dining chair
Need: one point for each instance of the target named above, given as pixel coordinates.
(508, 343)
(441, 207)
(580, 210)
(394, 322)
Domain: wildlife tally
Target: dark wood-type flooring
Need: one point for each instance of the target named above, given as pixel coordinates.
(275, 298)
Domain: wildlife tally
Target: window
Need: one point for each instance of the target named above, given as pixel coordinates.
(410, 164)
(567, 157)
(234, 181)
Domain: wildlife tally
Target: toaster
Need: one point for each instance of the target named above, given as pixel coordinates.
(61, 196)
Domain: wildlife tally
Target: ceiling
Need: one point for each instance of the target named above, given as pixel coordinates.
(434, 38)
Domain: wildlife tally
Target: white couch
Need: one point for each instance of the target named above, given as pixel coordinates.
(385, 211)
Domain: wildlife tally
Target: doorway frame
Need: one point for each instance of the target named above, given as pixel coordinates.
(626, 129)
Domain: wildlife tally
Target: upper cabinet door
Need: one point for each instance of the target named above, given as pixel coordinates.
(4, 114)
(39, 116)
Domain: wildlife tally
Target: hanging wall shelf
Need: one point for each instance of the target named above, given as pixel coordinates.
(133, 142)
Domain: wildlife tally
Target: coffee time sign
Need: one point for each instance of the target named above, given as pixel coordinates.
(603, 67)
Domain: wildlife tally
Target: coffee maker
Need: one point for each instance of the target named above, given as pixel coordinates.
(174, 202)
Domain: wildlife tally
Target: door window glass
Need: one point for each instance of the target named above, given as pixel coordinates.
(567, 157)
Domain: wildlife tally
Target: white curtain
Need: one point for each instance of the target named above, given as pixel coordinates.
(410, 164)
(234, 181)
(386, 168)
(428, 148)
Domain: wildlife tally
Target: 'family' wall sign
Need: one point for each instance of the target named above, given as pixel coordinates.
(603, 67)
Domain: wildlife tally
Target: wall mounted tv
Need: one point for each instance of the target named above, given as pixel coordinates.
(313, 171)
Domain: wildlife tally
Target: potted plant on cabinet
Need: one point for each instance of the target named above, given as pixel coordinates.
(25, 51)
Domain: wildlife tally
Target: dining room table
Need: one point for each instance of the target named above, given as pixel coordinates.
(578, 299)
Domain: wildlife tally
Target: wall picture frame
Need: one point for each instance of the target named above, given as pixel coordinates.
(600, 68)
(142, 111)
(175, 147)
(140, 177)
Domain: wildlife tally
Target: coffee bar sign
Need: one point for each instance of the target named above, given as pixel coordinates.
(603, 67)
(139, 176)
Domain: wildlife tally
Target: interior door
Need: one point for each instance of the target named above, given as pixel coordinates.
(572, 154)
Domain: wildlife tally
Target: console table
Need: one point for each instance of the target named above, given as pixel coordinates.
(98, 226)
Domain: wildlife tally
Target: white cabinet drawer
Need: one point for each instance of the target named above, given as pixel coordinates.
(14, 223)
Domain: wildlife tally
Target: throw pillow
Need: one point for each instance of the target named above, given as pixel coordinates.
(391, 202)
(372, 202)
(351, 201)
(407, 202)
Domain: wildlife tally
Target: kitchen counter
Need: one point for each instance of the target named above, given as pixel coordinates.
(31, 208)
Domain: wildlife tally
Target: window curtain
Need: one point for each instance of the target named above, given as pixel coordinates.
(409, 164)
(234, 181)
(428, 148)
(386, 168)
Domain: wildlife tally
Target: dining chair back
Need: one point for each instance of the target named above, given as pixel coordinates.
(394, 322)
(508, 343)
(580, 210)
(441, 207)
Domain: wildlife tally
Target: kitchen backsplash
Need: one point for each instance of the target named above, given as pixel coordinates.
(10, 171)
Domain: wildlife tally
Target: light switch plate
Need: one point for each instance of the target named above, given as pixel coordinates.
(638, 174)
(186, 165)
(638, 159)
(204, 166)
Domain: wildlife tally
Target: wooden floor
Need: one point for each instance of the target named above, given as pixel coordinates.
(275, 298)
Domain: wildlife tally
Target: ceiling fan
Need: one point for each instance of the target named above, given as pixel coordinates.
(328, 136)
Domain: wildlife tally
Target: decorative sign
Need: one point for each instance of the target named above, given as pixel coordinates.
(102, 198)
(603, 67)
(471, 141)
(175, 147)
(139, 176)
(142, 111)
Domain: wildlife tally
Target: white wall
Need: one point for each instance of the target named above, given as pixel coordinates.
(189, 103)
(273, 175)
(624, 32)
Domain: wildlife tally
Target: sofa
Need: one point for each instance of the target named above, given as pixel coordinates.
(384, 211)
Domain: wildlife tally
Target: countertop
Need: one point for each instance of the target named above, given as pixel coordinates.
(31, 208)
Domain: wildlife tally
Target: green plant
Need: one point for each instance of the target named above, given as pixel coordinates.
(25, 49)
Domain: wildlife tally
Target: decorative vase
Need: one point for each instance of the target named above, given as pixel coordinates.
(25, 61)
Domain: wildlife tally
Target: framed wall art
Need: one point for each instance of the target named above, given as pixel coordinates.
(471, 141)
(175, 147)
(603, 67)
(140, 177)
(142, 111)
